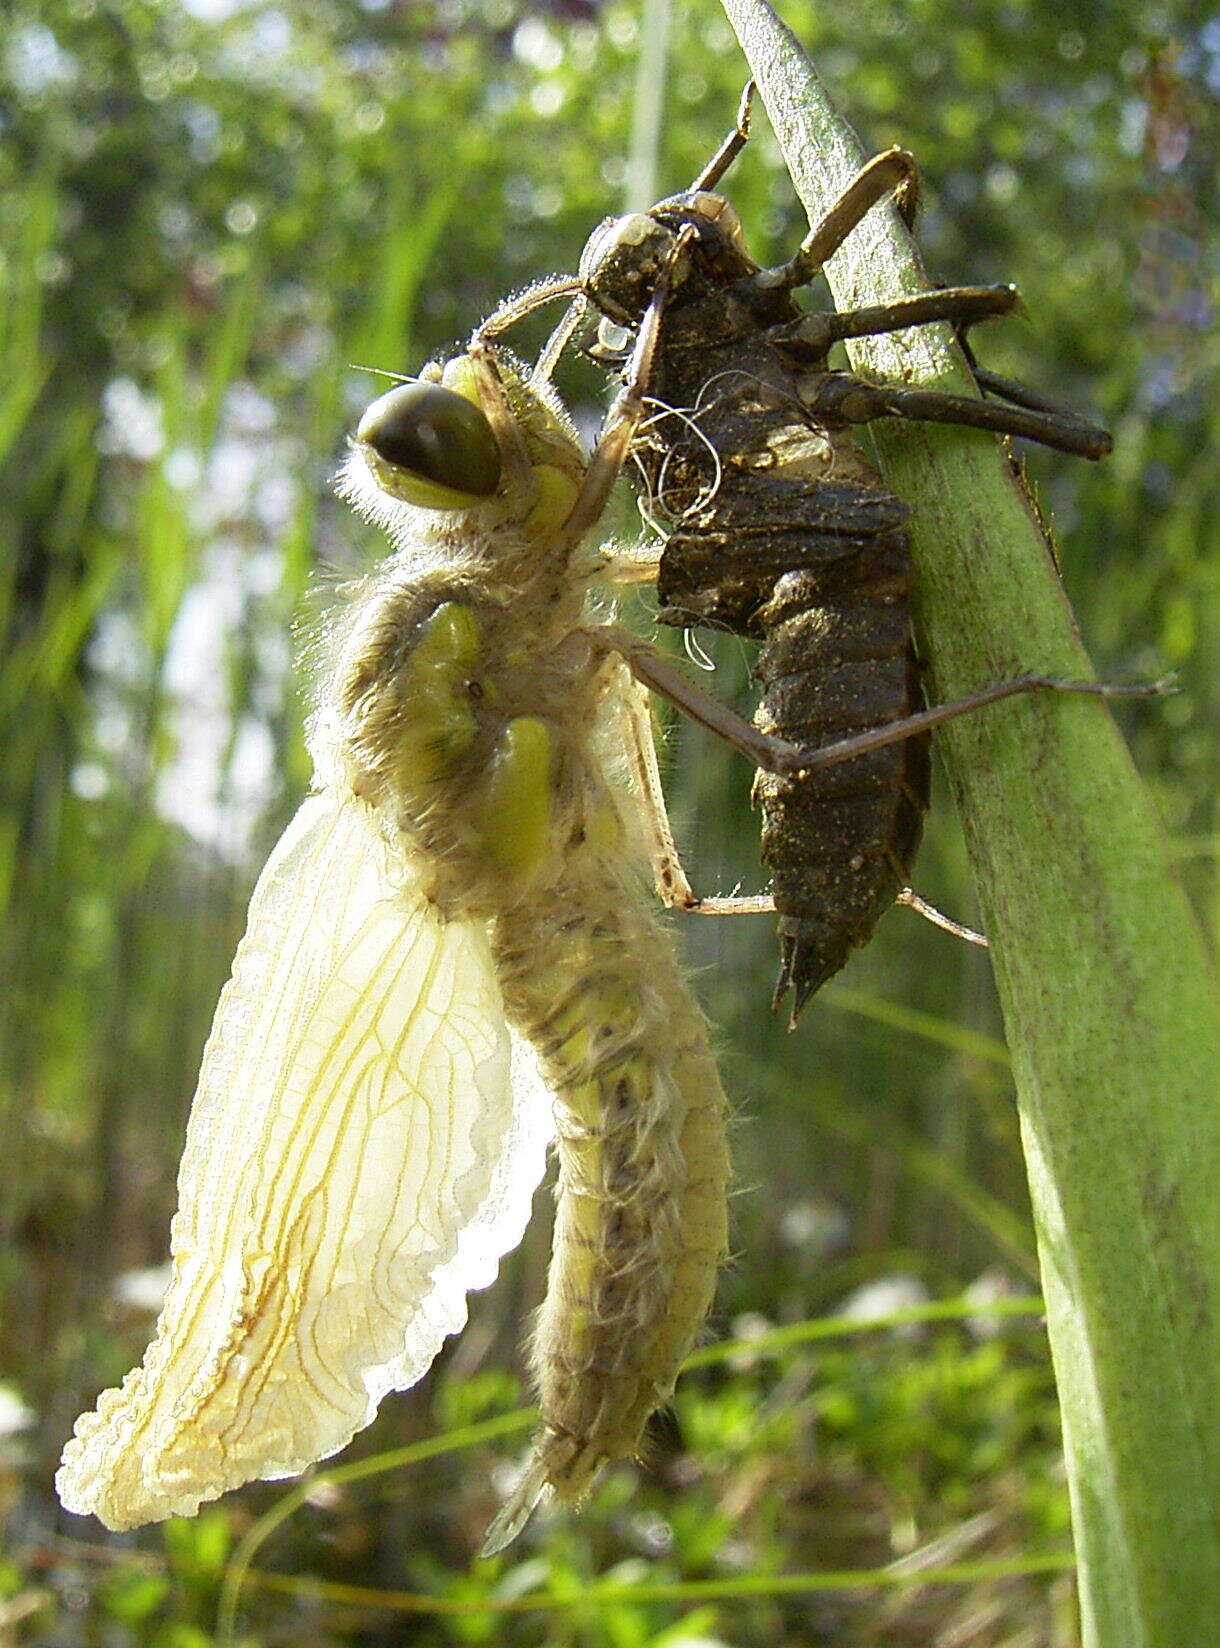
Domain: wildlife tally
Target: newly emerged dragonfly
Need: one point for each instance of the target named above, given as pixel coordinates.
(779, 529)
(452, 936)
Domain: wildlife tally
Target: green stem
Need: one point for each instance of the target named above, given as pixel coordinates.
(1110, 1006)
(744, 1588)
(648, 107)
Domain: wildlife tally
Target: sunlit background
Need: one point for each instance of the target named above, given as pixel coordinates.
(215, 219)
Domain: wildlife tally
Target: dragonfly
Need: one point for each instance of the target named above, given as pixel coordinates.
(450, 956)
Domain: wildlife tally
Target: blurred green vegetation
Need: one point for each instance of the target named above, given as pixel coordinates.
(208, 212)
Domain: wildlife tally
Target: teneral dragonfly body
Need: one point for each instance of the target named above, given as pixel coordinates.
(466, 877)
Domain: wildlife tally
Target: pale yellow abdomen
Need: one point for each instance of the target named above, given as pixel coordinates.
(590, 977)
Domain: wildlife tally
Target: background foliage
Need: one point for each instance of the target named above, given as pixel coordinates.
(207, 212)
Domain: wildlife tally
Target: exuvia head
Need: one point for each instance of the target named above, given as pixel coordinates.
(624, 257)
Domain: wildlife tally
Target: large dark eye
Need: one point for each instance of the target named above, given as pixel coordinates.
(434, 435)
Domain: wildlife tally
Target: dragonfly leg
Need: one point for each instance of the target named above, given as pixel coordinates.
(672, 885)
(669, 877)
(629, 407)
(844, 398)
(894, 172)
(514, 310)
(964, 305)
(732, 146)
(1006, 389)
(744, 904)
(909, 726)
(778, 755)
(661, 675)
(632, 566)
(929, 912)
(762, 904)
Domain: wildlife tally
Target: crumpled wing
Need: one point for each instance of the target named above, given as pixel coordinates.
(363, 1148)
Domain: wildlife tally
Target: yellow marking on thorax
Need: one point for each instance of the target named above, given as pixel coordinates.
(461, 375)
(557, 493)
(516, 802)
(438, 724)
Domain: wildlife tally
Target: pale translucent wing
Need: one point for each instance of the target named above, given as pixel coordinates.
(356, 1162)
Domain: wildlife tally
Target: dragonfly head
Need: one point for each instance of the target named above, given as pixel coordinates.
(429, 444)
(472, 434)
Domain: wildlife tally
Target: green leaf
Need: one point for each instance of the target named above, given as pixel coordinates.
(133, 1595)
(199, 1544)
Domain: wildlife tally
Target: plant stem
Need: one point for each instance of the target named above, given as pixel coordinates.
(1110, 1005)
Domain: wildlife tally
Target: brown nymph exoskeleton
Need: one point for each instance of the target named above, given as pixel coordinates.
(779, 529)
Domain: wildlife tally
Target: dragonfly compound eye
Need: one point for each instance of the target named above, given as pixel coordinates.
(621, 263)
(429, 445)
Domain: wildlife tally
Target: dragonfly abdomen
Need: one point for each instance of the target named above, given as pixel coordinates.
(590, 978)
